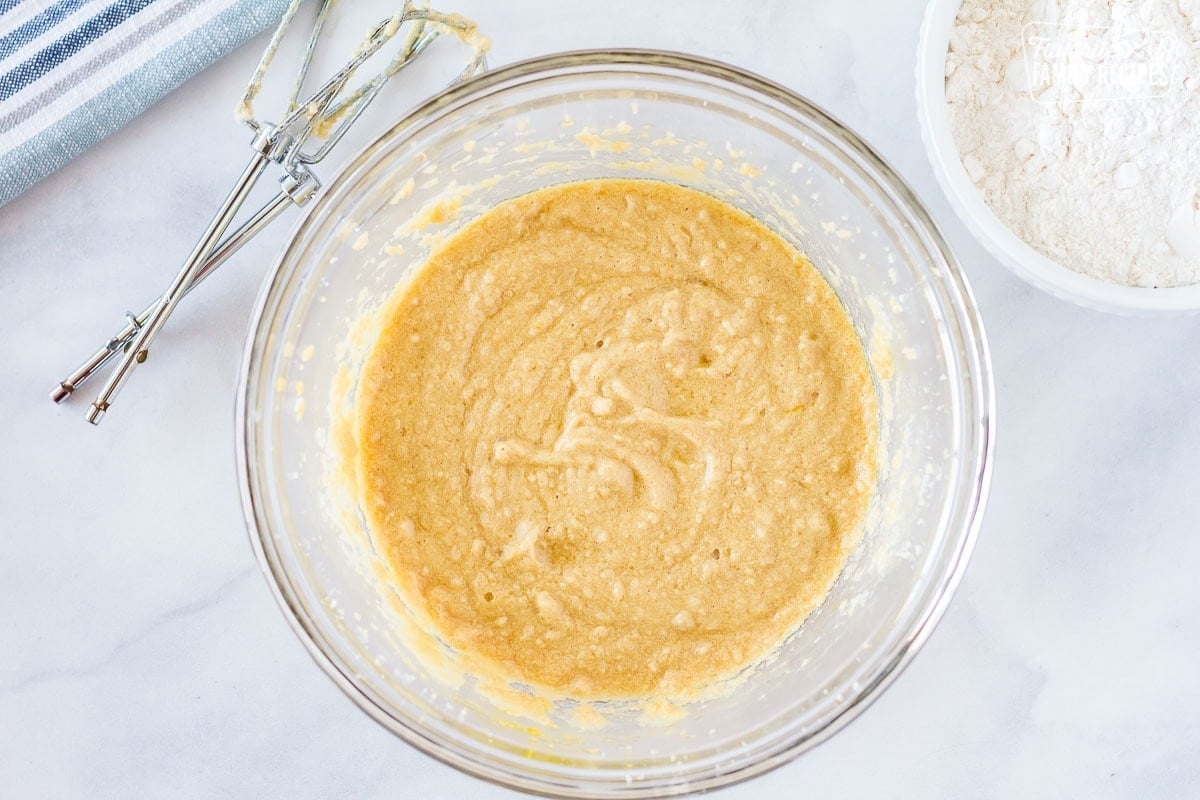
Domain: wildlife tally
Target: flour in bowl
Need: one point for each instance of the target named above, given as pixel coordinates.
(1079, 121)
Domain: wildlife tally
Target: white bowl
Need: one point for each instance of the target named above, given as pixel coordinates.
(1012, 251)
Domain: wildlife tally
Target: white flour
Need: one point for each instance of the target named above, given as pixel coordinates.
(1079, 120)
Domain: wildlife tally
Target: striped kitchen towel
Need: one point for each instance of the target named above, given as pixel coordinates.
(74, 71)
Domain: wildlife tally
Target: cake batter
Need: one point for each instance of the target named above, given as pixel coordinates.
(617, 437)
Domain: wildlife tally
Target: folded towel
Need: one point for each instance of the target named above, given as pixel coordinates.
(74, 71)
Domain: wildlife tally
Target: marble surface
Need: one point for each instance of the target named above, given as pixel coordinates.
(142, 655)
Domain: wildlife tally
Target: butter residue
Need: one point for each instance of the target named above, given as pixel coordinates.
(596, 142)
(405, 191)
(439, 212)
(416, 18)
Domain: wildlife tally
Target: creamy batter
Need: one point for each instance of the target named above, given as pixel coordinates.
(617, 438)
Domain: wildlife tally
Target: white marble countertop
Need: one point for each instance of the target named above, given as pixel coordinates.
(143, 656)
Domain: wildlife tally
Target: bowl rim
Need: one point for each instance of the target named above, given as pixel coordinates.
(984, 224)
(975, 472)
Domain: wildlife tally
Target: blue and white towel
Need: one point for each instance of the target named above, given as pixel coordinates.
(74, 71)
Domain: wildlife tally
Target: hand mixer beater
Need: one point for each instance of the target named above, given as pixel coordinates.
(320, 120)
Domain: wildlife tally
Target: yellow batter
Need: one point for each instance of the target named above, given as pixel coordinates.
(617, 437)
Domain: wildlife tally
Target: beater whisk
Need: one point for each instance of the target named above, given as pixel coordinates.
(322, 118)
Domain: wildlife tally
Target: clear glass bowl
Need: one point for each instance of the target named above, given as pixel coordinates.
(632, 114)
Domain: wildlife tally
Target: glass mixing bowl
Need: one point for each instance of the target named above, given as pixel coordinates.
(631, 114)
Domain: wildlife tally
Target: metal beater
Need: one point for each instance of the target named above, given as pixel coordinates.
(324, 116)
